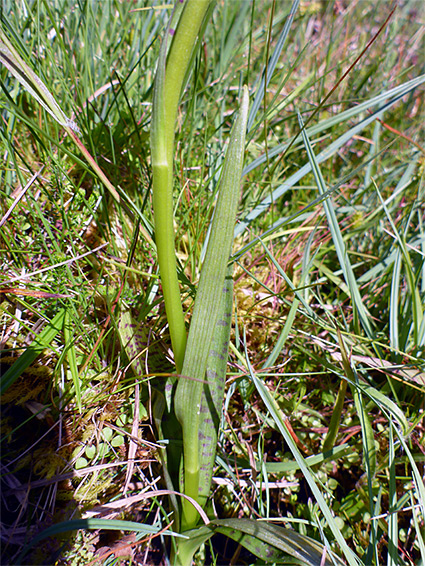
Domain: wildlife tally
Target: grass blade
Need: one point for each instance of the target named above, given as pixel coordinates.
(276, 414)
(40, 342)
(392, 505)
(31, 82)
(369, 450)
(72, 357)
(394, 301)
(92, 524)
(329, 441)
(338, 240)
(328, 152)
(419, 531)
(415, 294)
(271, 65)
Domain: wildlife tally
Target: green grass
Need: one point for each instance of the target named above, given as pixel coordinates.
(321, 427)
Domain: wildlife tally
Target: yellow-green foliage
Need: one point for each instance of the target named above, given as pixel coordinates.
(46, 462)
(29, 386)
(89, 494)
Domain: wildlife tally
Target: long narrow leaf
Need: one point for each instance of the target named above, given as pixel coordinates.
(31, 82)
(102, 524)
(269, 542)
(72, 358)
(337, 238)
(418, 480)
(275, 412)
(419, 530)
(189, 389)
(328, 152)
(213, 390)
(329, 441)
(369, 450)
(392, 507)
(415, 294)
(40, 342)
(271, 64)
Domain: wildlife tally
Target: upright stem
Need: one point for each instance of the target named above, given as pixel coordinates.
(168, 86)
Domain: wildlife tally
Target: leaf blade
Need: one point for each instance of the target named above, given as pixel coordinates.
(40, 342)
(189, 388)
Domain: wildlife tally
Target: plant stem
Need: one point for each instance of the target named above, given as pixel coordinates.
(169, 82)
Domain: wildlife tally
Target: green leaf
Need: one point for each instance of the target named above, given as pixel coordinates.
(10, 58)
(81, 463)
(103, 524)
(417, 308)
(186, 547)
(40, 342)
(394, 95)
(385, 402)
(271, 542)
(90, 452)
(72, 358)
(337, 238)
(369, 450)
(117, 441)
(329, 441)
(392, 511)
(205, 314)
(278, 418)
(213, 390)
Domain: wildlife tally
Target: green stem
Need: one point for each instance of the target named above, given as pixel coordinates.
(169, 82)
(178, 60)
